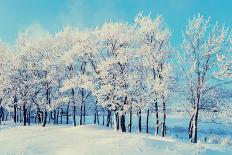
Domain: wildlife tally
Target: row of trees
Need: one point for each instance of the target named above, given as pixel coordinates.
(120, 67)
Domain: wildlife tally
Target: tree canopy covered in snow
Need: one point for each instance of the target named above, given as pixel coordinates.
(119, 67)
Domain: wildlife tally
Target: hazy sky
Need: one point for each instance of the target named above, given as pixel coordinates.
(52, 15)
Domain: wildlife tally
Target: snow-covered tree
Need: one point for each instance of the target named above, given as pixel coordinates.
(111, 85)
(6, 68)
(37, 74)
(154, 49)
(80, 59)
(199, 60)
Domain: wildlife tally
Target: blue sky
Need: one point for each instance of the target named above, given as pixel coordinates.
(53, 15)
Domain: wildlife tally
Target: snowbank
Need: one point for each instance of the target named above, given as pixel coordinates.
(93, 140)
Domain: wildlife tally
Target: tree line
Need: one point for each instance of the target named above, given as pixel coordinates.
(121, 68)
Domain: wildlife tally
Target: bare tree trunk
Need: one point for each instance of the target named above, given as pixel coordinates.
(117, 117)
(111, 121)
(81, 114)
(61, 116)
(1, 114)
(67, 114)
(195, 126)
(103, 116)
(15, 113)
(40, 116)
(24, 115)
(53, 115)
(44, 118)
(130, 120)
(108, 118)
(140, 121)
(157, 119)
(190, 128)
(115, 121)
(35, 118)
(57, 115)
(147, 124)
(20, 115)
(29, 116)
(82, 103)
(84, 113)
(122, 122)
(95, 116)
(164, 120)
(74, 108)
(74, 116)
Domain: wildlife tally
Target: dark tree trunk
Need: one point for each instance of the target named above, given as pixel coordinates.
(74, 116)
(24, 115)
(39, 115)
(29, 117)
(130, 120)
(111, 121)
(190, 128)
(81, 112)
(164, 120)
(67, 114)
(147, 124)
(103, 116)
(82, 104)
(108, 118)
(35, 119)
(44, 118)
(1, 114)
(48, 102)
(84, 113)
(157, 119)
(122, 122)
(140, 120)
(15, 113)
(53, 115)
(57, 116)
(74, 108)
(96, 118)
(61, 116)
(117, 118)
(20, 115)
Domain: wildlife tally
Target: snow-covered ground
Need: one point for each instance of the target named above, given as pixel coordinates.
(94, 140)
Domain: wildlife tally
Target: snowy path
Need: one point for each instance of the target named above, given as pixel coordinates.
(92, 140)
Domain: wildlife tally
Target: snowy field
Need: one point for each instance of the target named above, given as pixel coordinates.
(94, 140)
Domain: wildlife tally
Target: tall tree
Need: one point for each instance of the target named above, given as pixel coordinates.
(201, 45)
